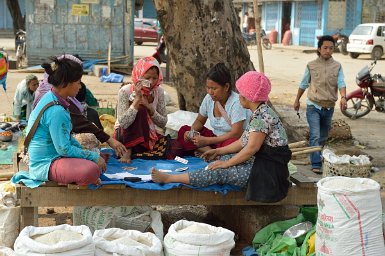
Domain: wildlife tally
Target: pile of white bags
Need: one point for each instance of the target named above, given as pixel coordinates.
(63, 240)
(193, 238)
(9, 215)
(349, 217)
(115, 241)
(139, 218)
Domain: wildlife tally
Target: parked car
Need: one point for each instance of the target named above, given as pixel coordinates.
(145, 31)
(367, 38)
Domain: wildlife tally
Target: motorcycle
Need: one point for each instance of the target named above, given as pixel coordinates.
(341, 42)
(160, 53)
(370, 94)
(251, 39)
(20, 47)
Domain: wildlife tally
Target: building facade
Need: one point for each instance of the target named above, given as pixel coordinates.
(309, 19)
(85, 27)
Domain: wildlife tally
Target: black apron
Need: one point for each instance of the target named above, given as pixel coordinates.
(269, 176)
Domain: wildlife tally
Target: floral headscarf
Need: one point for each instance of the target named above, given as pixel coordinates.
(141, 67)
(45, 86)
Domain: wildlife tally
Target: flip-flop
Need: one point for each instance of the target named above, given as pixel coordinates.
(316, 170)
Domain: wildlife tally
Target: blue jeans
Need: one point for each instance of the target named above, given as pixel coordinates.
(319, 125)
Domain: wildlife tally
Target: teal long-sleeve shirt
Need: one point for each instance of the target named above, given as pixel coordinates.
(52, 140)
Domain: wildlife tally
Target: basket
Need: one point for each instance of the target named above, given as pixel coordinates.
(109, 110)
(346, 170)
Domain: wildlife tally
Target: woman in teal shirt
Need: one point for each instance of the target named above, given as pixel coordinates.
(53, 153)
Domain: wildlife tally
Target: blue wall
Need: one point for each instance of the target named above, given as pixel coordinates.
(53, 30)
(149, 9)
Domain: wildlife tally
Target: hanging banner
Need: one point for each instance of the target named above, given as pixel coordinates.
(80, 10)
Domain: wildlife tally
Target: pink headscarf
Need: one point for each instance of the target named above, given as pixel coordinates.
(141, 67)
(254, 86)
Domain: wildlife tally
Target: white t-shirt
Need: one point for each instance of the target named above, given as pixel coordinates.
(245, 21)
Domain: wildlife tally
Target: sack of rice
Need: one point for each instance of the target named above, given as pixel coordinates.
(349, 217)
(116, 241)
(193, 238)
(60, 240)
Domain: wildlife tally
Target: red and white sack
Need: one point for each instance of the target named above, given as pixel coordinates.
(63, 240)
(349, 217)
(191, 238)
(116, 241)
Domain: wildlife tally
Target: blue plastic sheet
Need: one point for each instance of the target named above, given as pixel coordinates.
(144, 168)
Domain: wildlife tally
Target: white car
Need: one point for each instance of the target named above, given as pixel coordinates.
(367, 38)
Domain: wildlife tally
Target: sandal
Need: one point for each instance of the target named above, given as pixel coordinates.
(316, 170)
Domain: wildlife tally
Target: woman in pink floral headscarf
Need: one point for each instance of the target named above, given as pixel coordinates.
(141, 110)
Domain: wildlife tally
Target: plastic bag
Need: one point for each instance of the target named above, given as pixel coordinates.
(112, 78)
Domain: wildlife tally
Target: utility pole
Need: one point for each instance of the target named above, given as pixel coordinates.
(258, 36)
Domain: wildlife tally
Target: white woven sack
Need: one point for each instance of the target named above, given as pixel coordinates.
(349, 217)
(219, 241)
(9, 225)
(26, 246)
(5, 251)
(142, 244)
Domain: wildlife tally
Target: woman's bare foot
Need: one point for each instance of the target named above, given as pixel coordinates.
(126, 158)
(159, 177)
(98, 182)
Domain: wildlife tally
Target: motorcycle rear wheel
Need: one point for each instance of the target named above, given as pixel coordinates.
(357, 108)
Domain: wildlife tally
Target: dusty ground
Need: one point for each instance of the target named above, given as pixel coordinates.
(284, 66)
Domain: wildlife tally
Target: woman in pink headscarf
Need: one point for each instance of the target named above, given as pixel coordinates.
(141, 110)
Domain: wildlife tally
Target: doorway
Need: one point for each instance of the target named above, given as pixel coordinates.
(286, 18)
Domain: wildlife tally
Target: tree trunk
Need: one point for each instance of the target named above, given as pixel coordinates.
(198, 35)
(17, 18)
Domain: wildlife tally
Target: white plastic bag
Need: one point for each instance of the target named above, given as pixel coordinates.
(193, 238)
(115, 241)
(180, 117)
(27, 245)
(349, 217)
